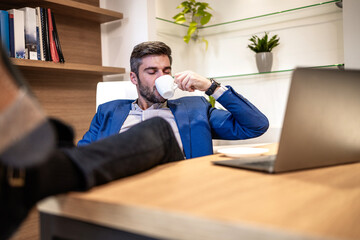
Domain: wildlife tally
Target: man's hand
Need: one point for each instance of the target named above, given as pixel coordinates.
(190, 81)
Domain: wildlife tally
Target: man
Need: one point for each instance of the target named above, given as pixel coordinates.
(193, 120)
(38, 159)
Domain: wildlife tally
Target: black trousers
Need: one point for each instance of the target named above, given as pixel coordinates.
(142, 147)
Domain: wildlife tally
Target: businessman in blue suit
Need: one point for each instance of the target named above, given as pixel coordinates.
(193, 120)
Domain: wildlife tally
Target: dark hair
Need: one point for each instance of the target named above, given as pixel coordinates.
(145, 49)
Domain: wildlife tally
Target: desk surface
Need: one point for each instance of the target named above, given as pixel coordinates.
(195, 199)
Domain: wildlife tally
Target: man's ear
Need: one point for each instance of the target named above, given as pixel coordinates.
(133, 78)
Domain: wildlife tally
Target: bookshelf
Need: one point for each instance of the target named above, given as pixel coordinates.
(78, 68)
(68, 91)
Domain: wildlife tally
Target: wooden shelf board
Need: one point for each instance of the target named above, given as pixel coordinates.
(68, 7)
(36, 65)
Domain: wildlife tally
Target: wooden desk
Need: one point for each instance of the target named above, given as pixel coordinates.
(195, 199)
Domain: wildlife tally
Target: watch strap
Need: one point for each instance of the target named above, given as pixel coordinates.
(212, 88)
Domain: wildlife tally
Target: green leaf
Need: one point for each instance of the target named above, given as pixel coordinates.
(205, 5)
(204, 20)
(180, 18)
(192, 28)
(187, 10)
(180, 6)
(183, 5)
(212, 101)
(177, 15)
(206, 43)
(186, 38)
(193, 24)
(201, 9)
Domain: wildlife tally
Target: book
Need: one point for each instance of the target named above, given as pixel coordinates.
(53, 51)
(4, 31)
(45, 34)
(11, 35)
(40, 47)
(17, 36)
(57, 40)
(30, 33)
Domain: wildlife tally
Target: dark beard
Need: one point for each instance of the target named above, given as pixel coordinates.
(149, 94)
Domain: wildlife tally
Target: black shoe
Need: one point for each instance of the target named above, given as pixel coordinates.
(27, 138)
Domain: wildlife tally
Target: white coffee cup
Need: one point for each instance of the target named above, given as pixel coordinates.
(166, 86)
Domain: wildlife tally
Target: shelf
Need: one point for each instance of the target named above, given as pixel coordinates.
(68, 7)
(340, 66)
(41, 66)
(322, 8)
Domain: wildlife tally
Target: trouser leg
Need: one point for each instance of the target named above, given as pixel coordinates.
(142, 147)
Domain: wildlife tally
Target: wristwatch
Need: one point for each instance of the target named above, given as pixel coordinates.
(212, 88)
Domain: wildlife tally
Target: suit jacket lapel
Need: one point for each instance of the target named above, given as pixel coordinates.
(120, 114)
(182, 119)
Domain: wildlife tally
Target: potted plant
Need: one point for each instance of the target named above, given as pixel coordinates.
(196, 14)
(263, 47)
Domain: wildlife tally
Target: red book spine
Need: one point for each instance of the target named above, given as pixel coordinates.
(54, 54)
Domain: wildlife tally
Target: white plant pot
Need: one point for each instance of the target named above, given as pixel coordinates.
(264, 61)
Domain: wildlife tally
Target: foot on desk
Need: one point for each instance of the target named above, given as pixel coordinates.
(26, 139)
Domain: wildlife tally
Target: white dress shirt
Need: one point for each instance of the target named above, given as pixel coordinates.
(137, 115)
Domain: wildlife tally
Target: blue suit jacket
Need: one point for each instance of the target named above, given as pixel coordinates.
(197, 121)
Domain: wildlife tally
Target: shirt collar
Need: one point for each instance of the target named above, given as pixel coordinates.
(135, 106)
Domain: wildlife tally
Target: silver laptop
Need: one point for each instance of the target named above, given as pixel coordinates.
(321, 124)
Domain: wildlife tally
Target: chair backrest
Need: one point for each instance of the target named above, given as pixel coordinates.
(112, 90)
